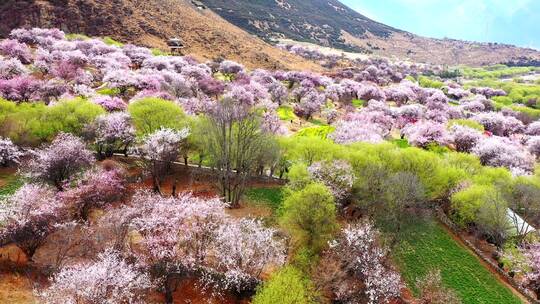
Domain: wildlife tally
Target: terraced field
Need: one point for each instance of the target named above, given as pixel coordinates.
(426, 245)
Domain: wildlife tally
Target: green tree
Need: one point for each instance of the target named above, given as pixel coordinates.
(288, 286)
(70, 116)
(151, 114)
(309, 215)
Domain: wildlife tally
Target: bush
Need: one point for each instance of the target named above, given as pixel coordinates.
(288, 286)
(311, 229)
(31, 124)
(466, 123)
(69, 117)
(467, 202)
(426, 82)
(152, 114)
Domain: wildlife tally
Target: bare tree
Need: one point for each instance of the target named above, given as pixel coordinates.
(234, 142)
(492, 219)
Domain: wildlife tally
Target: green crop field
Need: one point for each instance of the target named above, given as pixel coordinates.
(425, 245)
(268, 196)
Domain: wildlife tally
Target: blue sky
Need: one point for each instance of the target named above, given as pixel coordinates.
(507, 21)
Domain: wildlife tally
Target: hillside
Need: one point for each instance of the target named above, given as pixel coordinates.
(330, 23)
(150, 23)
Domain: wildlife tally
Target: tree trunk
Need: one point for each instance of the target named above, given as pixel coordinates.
(174, 188)
(157, 188)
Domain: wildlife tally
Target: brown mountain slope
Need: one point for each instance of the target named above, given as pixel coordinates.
(331, 23)
(150, 23)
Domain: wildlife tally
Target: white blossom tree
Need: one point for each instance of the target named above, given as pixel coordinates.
(109, 279)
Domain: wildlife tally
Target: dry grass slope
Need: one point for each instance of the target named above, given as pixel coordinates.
(151, 23)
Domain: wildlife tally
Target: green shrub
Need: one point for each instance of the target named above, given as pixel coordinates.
(317, 131)
(298, 177)
(151, 114)
(33, 123)
(310, 149)
(286, 113)
(467, 202)
(110, 41)
(309, 216)
(427, 82)
(287, 286)
(495, 71)
(358, 103)
(158, 52)
(467, 123)
(109, 91)
(401, 143)
(76, 37)
(69, 116)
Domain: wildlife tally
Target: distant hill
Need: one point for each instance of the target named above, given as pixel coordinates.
(150, 23)
(330, 23)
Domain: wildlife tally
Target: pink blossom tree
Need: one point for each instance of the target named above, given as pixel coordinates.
(110, 103)
(348, 132)
(272, 124)
(533, 145)
(369, 91)
(245, 248)
(58, 162)
(426, 132)
(20, 88)
(465, 138)
(230, 67)
(10, 68)
(533, 260)
(95, 189)
(533, 129)
(488, 92)
(9, 152)
(14, 49)
(52, 90)
(177, 234)
(158, 150)
(28, 216)
(501, 152)
(211, 86)
(310, 104)
(108, 279)
(337, 175)
(499, 124)
(400, 94)
(137, 54)
(112, 132)
(122, 80)
(360, 255)
(458, 93)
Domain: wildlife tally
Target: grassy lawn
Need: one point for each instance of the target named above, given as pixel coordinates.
(286, 113)
(10, 184)
(271, 197)
(317, 131)
(425, 245)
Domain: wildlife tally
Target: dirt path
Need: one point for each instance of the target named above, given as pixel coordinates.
(497, 275)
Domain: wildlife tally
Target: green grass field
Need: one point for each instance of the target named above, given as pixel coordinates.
(425, 245)
(272, 197)
(12, 183)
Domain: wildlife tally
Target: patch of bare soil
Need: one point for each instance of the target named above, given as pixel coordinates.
(16, 289)
(4, 174)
